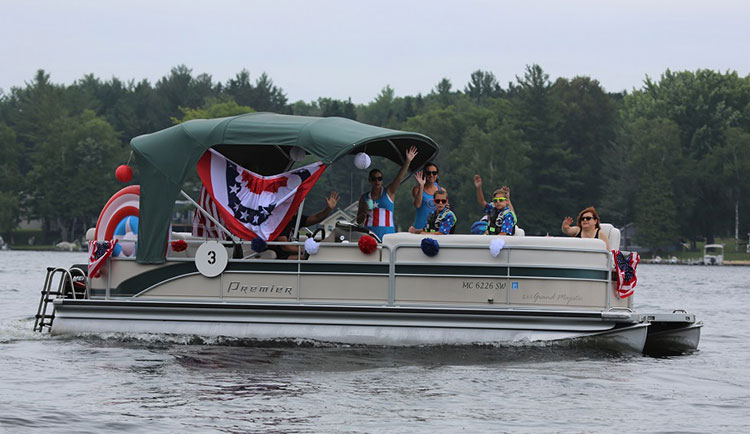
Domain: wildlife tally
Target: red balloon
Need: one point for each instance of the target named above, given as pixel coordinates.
(124, 173)
(367, 244)
(179, 245)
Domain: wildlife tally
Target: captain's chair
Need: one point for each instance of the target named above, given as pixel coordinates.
(613, 234)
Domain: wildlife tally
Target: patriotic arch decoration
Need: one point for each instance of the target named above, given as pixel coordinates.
(122, 204)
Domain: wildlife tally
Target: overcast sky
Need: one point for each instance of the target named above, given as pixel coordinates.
(353, 48)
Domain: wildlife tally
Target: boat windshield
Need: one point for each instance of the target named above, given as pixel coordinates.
(714, 250)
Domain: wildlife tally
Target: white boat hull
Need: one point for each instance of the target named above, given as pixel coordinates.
(367, 325)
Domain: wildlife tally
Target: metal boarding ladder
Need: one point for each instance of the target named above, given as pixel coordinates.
(66, 288)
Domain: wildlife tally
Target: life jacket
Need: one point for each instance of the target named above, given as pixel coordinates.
(434, 220)
(496, 217)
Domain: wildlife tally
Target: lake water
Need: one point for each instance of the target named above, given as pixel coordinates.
(145, 383)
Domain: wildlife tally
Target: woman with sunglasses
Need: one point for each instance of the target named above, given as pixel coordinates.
(588, 226)
(423, 193)
(376, 206)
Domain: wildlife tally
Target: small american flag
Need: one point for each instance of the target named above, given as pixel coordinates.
(625, 270)
(99, 251)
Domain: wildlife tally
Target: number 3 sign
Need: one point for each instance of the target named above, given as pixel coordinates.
(211, 258)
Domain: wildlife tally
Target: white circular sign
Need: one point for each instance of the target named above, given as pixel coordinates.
(211, 258)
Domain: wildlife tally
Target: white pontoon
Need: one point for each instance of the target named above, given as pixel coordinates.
(535, 289)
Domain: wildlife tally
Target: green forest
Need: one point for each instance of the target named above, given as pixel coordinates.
(671, 157)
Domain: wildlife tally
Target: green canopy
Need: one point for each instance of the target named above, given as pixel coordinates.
(260, 142)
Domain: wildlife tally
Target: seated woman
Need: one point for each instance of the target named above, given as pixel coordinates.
(588, 226)
(440, 222)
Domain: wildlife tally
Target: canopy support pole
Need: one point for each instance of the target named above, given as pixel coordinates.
(299, 218)
(393, 145)
(208, 216)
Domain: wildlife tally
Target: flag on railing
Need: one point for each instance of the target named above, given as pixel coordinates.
(99, 251)
(202, 226)
(252, 205)
(625, 270)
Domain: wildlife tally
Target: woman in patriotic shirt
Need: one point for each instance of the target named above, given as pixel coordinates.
(376, 207)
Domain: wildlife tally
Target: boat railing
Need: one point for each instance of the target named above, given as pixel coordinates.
(389, 254)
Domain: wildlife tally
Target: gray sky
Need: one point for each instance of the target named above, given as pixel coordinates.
(343, 49)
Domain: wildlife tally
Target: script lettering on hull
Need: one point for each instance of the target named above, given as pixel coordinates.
(260, 289)
(265, 286)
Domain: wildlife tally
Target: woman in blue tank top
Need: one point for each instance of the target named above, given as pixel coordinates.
(376, 207)
(423, 192)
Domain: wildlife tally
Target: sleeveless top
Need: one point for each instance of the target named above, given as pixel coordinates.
(427, 207)
(380, 218)
(596, 235)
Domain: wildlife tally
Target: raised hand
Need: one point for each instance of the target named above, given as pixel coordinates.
(477, 181)
(419, 176)
(506, 191)
(568, 221)
(411, 153)
(332, 199)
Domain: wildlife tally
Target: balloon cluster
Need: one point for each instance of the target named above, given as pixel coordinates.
(126, 233)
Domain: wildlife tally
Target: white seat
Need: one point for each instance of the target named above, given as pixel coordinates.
(613, 234)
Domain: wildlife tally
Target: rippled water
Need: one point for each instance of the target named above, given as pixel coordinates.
(144, 383)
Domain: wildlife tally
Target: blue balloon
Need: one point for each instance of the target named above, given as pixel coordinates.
(258, 245)
(128, 224)
(117, 250)
(430, 246)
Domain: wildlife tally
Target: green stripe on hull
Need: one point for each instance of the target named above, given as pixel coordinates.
(560, 273)
(136, 284)
(470, 270)
(345, 268)
(515, 272)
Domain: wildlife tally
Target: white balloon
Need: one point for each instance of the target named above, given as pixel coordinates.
(128, 243)
(362, 161)
(297, 153)
(311, 246)
(496, 245)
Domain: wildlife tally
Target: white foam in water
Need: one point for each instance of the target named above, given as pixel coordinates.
(20, 329)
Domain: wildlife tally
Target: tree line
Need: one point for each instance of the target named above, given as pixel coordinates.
(672, 157)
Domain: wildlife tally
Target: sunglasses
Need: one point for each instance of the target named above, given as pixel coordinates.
(431, 172)
(441, 200)
(498, 199)
(376, 178)
(588, 218)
